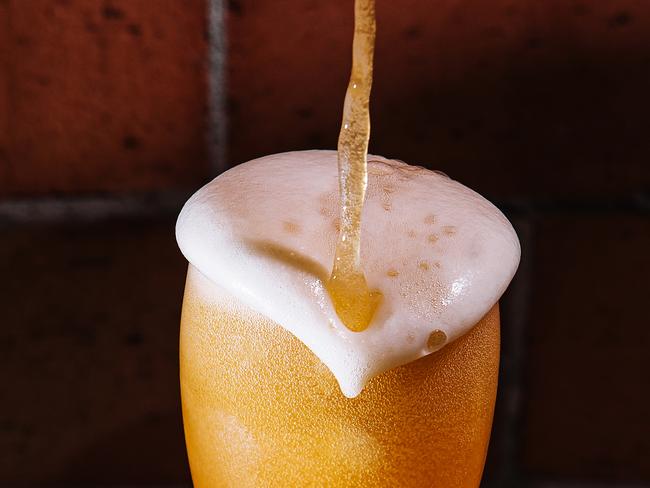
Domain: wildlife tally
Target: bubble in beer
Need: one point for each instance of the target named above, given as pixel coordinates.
(432, 238)
(393, 273)
(290, 227)
(381, 171)
(449, 230)
(423, 265)
(430, 219)
(436, 339)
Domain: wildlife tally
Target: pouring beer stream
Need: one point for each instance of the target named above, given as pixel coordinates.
(354, 302)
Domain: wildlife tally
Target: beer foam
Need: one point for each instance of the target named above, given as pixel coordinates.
(440, 254)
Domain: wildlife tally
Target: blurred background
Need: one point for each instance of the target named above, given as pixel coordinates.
(113, 111)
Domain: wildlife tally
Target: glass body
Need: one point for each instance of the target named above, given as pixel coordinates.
(259, 409)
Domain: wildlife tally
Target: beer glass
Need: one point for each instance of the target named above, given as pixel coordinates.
(276, 391)
(260, 409)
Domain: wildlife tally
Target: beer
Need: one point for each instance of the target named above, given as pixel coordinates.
(260, 409)
(354, 302)
(277, 391)
(382, 373)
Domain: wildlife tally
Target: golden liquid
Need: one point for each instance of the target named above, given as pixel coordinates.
(353, 301)
(259, 409)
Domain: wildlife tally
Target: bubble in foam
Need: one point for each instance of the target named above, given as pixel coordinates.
(449, 230)
(436, 339)
(378, 167)
(290, 227)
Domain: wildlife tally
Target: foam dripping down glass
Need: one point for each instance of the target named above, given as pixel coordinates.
(378, 371)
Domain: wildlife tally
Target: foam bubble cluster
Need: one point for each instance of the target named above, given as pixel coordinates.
(440, 254)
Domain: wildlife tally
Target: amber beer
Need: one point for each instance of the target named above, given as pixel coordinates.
(278, 391)
(261, 410)
(380, 373)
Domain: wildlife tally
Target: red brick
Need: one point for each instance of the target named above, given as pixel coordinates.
(4, 91)
(513, 98)
(586, 412)
(102, 95)
(89, 355)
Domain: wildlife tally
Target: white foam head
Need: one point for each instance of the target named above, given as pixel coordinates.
(440, 254)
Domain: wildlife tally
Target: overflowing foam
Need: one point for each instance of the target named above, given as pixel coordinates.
(440, 254)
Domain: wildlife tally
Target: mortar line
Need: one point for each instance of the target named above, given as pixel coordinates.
(91, 208)
(217, 114)
(632, 203)
(512, 381)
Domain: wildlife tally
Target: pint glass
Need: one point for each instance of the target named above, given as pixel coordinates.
(261, 410)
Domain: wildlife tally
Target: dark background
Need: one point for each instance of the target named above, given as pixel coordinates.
(112, 112)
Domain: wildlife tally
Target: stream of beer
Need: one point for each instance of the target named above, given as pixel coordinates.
(353, 301)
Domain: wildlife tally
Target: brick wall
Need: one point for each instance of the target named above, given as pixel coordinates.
(104, 116)
(102, 96)
(112, 111)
